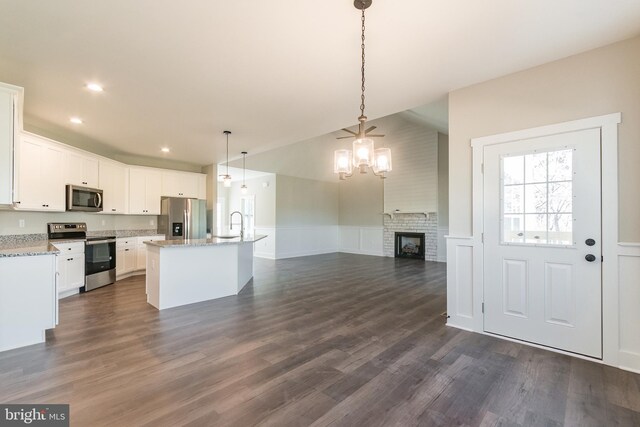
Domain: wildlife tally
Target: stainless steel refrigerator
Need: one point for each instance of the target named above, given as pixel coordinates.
(183, 218)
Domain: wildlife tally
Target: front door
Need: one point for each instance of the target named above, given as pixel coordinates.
(542, 241)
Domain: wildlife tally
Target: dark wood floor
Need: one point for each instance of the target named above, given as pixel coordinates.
(341, 340)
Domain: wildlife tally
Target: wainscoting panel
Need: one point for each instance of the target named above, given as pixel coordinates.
(361, 240)
(293, 242)
(265, 248)
(460, 298)
(629, 305)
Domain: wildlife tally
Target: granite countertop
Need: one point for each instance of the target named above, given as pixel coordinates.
(31, 248)
(214, 241)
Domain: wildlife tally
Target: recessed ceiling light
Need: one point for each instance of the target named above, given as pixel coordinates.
(94, 87)
(76, 120)
(164, 149)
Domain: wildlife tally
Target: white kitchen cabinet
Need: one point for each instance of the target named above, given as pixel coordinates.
(10, 126)
(202, 187)
(179, 184)
(70, 262)
(28, 302)
(80, 169)
(145, 188)
(40, 183)
(113, 182)
(141, 250)
(125, 255)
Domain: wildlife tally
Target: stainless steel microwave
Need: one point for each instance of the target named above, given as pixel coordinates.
(84, 199)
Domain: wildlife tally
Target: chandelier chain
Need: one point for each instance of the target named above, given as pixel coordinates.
(362, 69)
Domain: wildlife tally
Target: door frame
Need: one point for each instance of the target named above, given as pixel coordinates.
(608, 125)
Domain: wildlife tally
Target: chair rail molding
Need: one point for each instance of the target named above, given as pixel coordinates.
(621, 264)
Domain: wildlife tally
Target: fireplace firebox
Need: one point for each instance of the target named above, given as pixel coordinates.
(409, 245)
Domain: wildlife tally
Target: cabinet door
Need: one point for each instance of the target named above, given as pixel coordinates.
(153, 192)
(75, 271)
(129, 259)
(80, 169)
(74, 169)
(51, 179)
(29, 194)
(61, 263)
(7, 126)
(137, 191)
(120, 256)
(113, 184)
(90, 171)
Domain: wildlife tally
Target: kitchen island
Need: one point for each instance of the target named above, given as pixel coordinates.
(183, 272)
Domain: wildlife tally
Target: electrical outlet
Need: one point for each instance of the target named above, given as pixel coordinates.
(152, 222)
(104, 222)
(21, 223)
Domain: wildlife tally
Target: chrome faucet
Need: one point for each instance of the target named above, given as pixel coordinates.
(241, 223)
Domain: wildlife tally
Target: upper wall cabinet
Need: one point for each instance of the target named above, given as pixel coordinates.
(10, 126)
(144, 191)
(113, 183)
(80, 169)
(40, 182)
(182, 184)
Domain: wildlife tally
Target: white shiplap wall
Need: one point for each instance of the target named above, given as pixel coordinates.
(412, 185)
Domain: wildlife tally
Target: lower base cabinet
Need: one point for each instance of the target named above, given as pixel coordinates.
(28, 299)
(131, 254)
(70, 265)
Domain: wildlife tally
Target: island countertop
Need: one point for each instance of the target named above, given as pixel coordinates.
(213, 241)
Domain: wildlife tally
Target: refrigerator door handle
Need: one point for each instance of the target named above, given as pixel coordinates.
(186, 225)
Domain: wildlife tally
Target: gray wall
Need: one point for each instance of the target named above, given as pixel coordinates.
(601, 81)
(301, 202)
(361, 201)
(265, 207)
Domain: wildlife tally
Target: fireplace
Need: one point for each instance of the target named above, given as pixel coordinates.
(409, 245)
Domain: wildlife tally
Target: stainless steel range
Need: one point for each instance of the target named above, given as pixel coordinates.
(99, 252)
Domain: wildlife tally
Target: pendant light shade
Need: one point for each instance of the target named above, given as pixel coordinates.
(226, 178)
(364, 155)
(342, 162)
(243, 188)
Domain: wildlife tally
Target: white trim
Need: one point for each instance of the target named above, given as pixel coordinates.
(609, 163)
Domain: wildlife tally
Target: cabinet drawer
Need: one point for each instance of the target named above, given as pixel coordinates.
(142, 239)
(126, 242)
(70, 248)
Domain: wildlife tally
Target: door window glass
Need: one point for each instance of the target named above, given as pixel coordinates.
(537, 198)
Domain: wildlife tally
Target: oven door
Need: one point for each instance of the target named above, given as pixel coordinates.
(99, 255)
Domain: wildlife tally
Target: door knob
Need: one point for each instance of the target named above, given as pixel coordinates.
(589, 242)
(590, 257)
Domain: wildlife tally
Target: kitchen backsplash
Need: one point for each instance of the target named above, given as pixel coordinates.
(18, 222)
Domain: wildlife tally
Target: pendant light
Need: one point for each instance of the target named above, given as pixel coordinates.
(364, 155)
(243, 188)
(226, 179)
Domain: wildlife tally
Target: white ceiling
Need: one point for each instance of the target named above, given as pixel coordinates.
(274, 72)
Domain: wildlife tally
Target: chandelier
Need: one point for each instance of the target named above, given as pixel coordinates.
(364, 154)
(226, 178)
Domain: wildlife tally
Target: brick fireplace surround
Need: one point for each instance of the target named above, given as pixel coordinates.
(413, 223)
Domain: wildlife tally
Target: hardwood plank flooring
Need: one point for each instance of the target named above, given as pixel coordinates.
(327, 340)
